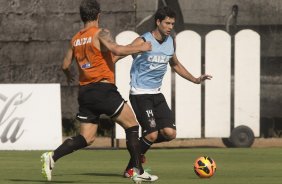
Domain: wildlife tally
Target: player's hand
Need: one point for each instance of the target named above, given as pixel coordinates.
(202, 78)
(70, 79)
(69, 76)
(146, 46)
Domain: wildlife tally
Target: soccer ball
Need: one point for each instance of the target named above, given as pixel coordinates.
(204, 167)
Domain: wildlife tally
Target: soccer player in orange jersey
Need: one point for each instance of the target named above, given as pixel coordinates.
(93, 49)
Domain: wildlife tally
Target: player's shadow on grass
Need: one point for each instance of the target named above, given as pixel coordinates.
(53, 182)
(67, 181)
(40, 181)
(91, 174)
(101, 174)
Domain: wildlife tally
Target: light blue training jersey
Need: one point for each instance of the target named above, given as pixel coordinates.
(148, 68)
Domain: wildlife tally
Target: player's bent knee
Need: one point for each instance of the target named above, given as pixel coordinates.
(131, 123)
(152, 136)
(170, 135)
(90, 140)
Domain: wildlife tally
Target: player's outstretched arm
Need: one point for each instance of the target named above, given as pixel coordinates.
(66, 65)
(106, 39)
(138, 41)
(183, 72)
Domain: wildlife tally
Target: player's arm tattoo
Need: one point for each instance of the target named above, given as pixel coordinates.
(105, 35)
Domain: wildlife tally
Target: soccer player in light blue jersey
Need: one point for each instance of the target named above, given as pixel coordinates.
(147, 72)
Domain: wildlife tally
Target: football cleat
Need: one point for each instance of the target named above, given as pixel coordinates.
(145, 177)
(47, 165)
(129, 173)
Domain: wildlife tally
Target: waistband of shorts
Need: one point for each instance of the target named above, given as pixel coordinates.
(140, 91)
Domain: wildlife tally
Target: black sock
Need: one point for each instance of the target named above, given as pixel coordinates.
(133, 146)
(145, 145)
(161, 138)
(69, 145)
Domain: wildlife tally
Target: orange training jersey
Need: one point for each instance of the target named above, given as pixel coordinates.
(93, 64)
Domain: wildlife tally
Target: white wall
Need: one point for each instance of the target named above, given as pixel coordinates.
(30, 116)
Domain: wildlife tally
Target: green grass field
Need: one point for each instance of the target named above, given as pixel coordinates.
(173, 166)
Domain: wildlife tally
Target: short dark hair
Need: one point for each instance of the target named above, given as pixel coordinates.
(164, 12)
(235, 7)
(89, 10)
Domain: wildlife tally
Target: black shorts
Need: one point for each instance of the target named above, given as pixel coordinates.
(98, 98)
(152, 112)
